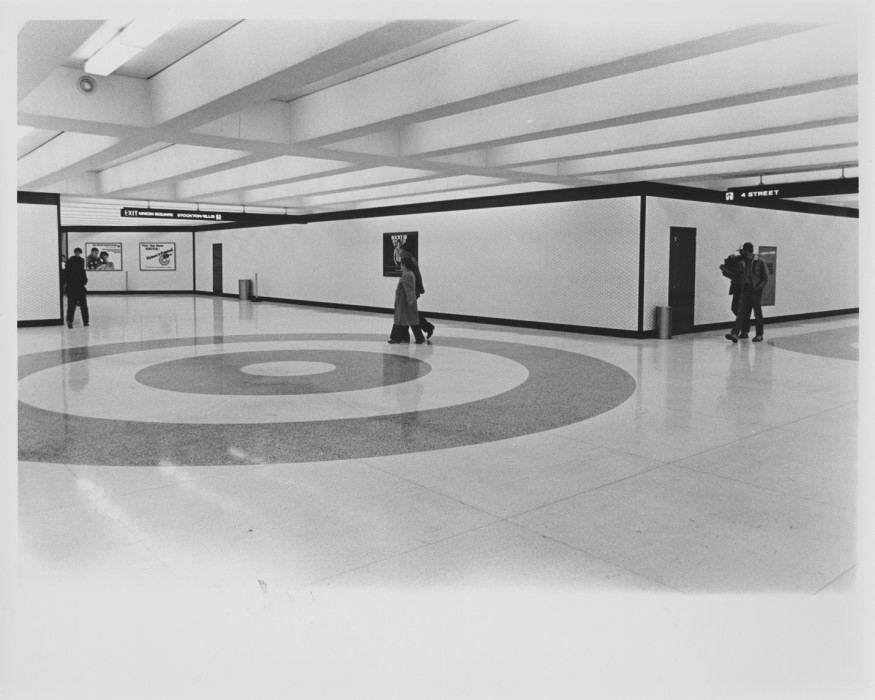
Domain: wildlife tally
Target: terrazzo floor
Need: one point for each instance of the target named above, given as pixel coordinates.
(213, 450)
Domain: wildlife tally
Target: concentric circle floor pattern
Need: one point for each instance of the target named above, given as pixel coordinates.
(283, 398)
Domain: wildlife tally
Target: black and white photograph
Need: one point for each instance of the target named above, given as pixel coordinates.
(463, 351)
(395, 245)
(104, 256)
(158, 256)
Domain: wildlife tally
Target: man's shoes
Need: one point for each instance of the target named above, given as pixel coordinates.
(394, 342)
(69, 324)
(758, 339)
(743, 336)
(419, 342)
(733, 338)
(86, 324)
(430, 333)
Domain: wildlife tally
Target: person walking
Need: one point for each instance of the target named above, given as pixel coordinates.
(751, 275)
(406, 309)
(75, 280)
(424, 324)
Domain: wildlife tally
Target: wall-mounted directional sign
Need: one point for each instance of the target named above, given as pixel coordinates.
(190, 215)
(790, 190)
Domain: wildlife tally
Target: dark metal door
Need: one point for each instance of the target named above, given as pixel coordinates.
(217, 268)
(682, 278)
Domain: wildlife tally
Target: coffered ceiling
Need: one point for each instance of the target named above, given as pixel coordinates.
(303, 116)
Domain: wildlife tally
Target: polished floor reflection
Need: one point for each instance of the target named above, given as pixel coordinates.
(242, 445)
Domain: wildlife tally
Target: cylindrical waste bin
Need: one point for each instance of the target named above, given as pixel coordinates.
(663, 321)
(245, 290)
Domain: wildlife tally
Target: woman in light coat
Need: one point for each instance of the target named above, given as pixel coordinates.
(424, 324)
(406, 310)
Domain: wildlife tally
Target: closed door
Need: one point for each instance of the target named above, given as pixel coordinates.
(217, 268)
(682, 278)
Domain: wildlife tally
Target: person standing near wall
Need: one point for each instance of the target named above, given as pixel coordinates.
(751, 275)
(406, 309)
(730, 263)
(75, 280)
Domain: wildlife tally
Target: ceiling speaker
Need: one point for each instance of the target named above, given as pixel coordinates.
(87, 85)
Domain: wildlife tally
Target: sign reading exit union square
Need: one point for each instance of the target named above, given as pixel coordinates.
(175, 214)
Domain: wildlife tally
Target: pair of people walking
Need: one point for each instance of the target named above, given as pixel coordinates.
(749, 278)
(407, 315)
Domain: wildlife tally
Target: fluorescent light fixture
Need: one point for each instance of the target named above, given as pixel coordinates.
(125, 45)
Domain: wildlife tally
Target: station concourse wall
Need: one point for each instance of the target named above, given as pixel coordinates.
(817, 267)
(565, 263)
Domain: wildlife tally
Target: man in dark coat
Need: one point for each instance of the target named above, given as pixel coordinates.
(752, 276)
(730, 264)
(75, 280)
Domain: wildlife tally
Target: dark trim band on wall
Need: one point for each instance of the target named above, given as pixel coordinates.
(127, 229)
(39, 198)
(124, 292)
(778, 319)
(47, 322)
(570, 194)
(487, 320)
(695, 194)
(642, 229)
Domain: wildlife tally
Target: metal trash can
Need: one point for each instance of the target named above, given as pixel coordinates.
(245, 290)
(663, 321)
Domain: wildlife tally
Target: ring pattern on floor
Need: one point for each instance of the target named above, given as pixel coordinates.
(839, 343)
(395, 405)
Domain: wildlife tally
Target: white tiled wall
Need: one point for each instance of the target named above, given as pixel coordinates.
(573, 263)
(570, 263)
(817, 257)
(39, 285)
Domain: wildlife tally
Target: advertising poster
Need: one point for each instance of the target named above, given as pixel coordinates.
(157, 256)
(769, 255)
(393, 243)
(103, 256)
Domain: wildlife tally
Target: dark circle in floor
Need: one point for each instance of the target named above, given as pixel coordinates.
(838, 343)
(562, 388)
(222, 373)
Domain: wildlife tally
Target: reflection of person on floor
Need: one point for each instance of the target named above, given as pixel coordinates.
(406, 310)
(752, 275)
(424, 324)
(730, 263)
(105, 264)
(75, 280)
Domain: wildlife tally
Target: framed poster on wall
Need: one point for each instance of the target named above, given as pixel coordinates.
(103, 256)
(393, 244)
(157, 256)
(769, 255)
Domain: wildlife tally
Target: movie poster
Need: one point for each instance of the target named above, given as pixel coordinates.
(769, 255)
(393, 244)
(157, 256)
(103, 256)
